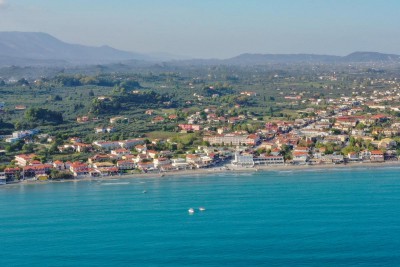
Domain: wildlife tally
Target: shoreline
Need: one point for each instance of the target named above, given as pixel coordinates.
(231, 170)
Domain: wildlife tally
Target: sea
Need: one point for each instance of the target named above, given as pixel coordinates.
(326, 217)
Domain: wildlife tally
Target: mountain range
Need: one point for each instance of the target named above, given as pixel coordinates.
(42, 49)
(31, 48)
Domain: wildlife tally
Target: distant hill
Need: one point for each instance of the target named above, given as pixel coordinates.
(248, 59)
(356, 57)
(35, 48)
(42, 49)
(371, 57)
(281, 58)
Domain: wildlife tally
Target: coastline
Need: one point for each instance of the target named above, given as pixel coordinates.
(231, 170)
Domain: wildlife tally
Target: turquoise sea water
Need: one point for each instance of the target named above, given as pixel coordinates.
(291, 218)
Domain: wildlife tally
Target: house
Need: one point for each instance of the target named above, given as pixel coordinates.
(302, 149)
(126, 164)
(110, 129)
(3, 179)
(377, 156)
(365, 154)
(99, 158)
(252, 140)
(120, 152)
(248, 93)
(82, 119)
(79, 169)
(74, 140)
(145, 166)
(353, 156)
(12, 173)
(189, 127)
(81, 147)
(275, 152)
(193, 159)
(58, 165)
(99, 130)
(172, 117)
(205, 161)
(300, 157)
(102, 164)
(152, 153)
(24, 159)
(157, 119)
(141, 148)
(140, 158)
(119, 119)
(159, 162)
(36, 170)
(179, 163)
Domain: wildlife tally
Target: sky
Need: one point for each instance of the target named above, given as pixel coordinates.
(213, 28)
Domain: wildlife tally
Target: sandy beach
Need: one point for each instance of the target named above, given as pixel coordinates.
(228, 169)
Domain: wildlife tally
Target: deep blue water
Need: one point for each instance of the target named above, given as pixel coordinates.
(302, 218)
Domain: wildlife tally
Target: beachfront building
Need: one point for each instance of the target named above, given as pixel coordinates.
(3, 178)
(243, 160)
(269, 160)
(179, 163)
(79, 169)
(126, 164)
(105, 168)
(12, 173)
(377, 156)
(300, 157)
(353, 156)
(332, 159)
(160, 162)
(37, 170)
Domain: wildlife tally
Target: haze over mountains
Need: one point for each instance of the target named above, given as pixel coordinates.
(41, 49)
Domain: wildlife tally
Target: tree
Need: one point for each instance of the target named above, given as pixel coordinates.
(45, 115)
(28, 148)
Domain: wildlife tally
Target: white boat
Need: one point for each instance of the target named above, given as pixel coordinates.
(191, 210)
(202, 209)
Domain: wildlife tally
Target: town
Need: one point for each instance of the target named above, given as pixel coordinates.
(218, 128)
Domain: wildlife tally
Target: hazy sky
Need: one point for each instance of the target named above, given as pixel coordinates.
(214, 28)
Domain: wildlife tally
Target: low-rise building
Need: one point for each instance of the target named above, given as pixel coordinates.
(126, 164)
(269, 160)
(24, 159)
(243, 160)
(377, 156)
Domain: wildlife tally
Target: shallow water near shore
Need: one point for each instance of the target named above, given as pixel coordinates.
(344, 217)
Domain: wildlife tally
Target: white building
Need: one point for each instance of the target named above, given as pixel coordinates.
(243, 160)
(269, 160)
